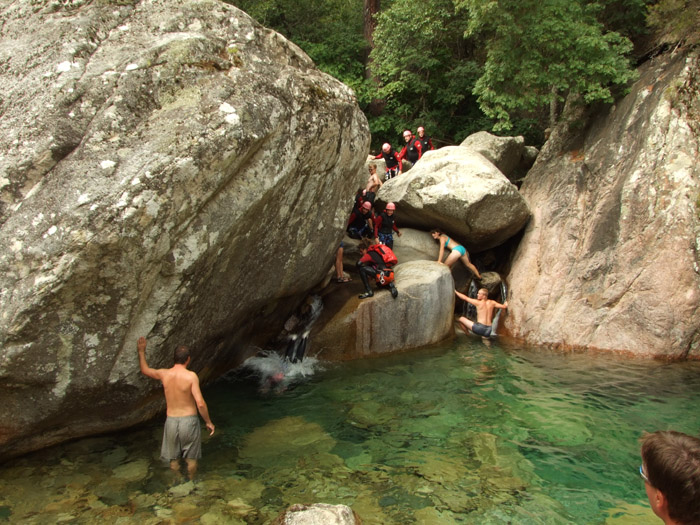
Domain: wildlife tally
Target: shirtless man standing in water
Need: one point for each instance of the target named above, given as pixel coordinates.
(182, 433)
(484, 313)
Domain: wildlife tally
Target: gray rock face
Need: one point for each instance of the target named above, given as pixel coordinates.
(160, 176)
(610, 257)
(506, 153)
(422, 314)
(462, 193)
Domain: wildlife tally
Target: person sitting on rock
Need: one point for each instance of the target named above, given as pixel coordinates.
(484, 313)
(377, 263)
(361, 223)
(457, 251)
(385, 226)
(392, 161)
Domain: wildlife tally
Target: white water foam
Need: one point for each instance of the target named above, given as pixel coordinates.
(275, 372)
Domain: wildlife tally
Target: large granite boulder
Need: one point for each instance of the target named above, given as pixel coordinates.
(160, 176)
(422, 314)
(461, 192)
(506, 153)
(610, 257)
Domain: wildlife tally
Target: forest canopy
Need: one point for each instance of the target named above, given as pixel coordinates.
(461, 66)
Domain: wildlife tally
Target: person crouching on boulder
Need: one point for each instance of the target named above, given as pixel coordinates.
(377, 263)
(361, 223)
(385, 226)
(484, 313)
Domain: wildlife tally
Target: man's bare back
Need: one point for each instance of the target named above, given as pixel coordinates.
(484, 309)
(182, 393)
(181, 437)
(178, 385)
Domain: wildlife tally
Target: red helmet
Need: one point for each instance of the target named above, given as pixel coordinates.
(407, 133)
(390, 206)
(367, 205)
(386, 148)
(420, 128)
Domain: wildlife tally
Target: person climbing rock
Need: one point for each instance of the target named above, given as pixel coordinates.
(377, 263)
(484, 313)
(457, 251)
(385, 226)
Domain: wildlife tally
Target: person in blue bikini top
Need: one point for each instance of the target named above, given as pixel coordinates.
(457, 251)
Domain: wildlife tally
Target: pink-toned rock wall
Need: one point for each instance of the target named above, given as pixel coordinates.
(609, 259)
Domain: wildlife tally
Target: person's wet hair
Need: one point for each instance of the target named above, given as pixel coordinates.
(672, 465)
(182, 353)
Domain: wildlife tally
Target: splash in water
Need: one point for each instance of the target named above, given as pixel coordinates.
(299, 327)
(276, 374)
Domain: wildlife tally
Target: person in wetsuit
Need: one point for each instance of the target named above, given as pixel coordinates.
(392, 161)
(426, 144)
(361, 223)
(385, 226)
(411, 150)
(370, 265)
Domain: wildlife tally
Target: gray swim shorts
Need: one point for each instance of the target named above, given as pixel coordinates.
(182, 438)
(481, 329)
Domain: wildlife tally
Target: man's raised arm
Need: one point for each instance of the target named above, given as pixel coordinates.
(466, 298)
(145, 369)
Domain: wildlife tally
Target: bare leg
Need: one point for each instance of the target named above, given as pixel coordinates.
(465, 324)
(339, 263)
(175, 469)
(468, 264)
(191, 467)
(452, 258)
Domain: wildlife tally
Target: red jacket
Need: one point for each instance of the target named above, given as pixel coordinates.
(415, 143)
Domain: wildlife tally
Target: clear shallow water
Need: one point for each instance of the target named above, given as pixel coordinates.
(460, 433)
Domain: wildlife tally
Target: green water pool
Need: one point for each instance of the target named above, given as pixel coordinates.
(457, 433)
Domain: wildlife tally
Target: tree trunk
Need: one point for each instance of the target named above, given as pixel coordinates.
(371, 8)
(553, 108)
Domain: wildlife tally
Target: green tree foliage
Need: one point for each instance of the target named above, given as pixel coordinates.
(329, 31)
(427, 71)
(676, 21)
(627, 17)
(539, 51)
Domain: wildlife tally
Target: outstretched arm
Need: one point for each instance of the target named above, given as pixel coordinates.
(466, 298)
(201, 404)
(499, 305)
(145, 369)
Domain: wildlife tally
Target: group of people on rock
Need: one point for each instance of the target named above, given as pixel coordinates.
(377, 259)
(377, 234)
(413, 149)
